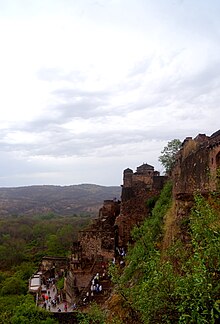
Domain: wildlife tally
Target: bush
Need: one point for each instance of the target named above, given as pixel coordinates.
(13, 286)
(29, 313)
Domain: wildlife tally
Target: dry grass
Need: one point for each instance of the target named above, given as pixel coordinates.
(118, 310)
(170, 229)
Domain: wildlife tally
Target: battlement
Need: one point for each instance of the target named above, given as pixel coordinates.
(145, 175)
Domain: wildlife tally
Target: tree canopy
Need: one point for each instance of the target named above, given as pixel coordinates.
(167, 157)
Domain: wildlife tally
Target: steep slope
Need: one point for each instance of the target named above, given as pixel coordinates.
(172, 270)
(176, 282)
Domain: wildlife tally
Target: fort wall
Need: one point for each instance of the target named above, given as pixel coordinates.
(137, 188)
(197, 166)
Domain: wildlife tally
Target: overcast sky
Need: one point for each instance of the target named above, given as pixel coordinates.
(91, 87)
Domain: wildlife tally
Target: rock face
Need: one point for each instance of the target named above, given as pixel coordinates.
(137, 188)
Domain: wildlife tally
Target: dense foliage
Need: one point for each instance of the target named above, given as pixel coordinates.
(25, 238)
(23, 242)
(184, 285)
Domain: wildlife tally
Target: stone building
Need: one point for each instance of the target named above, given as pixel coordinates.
(50, 265)
(137, 188)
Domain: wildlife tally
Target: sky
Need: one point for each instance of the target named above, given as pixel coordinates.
(89, 88)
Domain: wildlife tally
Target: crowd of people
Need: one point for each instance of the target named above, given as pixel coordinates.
(52, 300)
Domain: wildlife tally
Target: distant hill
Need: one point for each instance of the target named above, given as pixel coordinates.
(62, 200)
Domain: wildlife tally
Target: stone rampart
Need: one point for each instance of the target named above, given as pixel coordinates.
(197, 166)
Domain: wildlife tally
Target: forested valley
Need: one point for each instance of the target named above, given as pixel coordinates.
(24, 240)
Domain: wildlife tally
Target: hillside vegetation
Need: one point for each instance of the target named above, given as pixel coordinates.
(181, 284)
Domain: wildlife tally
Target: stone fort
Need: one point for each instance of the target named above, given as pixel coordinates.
(111, 230)
(197, 169)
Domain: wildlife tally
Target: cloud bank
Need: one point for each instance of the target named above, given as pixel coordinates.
(89, 88)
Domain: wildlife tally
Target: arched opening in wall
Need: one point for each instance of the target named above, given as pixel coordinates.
(218, 171)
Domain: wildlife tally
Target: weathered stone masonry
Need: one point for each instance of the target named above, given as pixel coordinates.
(95, 245)
(196, 170)
(137, 188)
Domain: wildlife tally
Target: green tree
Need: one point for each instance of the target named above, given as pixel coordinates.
(167, 159)
(65, 236)
(53, 245)
(29, 313)
(13, 286)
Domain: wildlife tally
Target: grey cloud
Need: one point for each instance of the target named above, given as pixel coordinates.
(76, 103)
(57, 74)
(141, 67)
(74, 93)
(82, 104)
(204, 80)
(88, 105)
(14, 163)
(62, 142)
(67, 144)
